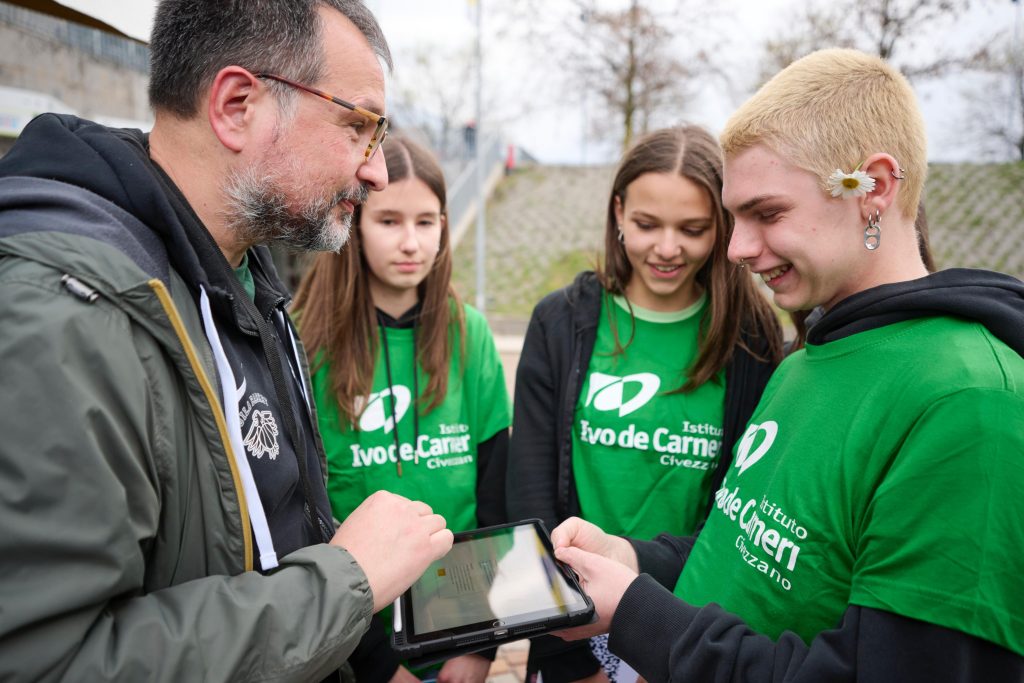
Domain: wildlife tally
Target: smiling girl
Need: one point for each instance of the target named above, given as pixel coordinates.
(407, 381)
(634, 380)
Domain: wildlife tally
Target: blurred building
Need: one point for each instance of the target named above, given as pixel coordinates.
(48, 64)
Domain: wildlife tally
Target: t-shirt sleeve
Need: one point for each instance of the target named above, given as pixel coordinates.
(941, 538)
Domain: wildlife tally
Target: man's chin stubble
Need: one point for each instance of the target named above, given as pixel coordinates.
(258, 212)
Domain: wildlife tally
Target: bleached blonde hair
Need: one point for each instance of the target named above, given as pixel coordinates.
(832, 109)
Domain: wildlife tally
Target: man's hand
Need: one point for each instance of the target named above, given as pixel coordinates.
(577, 533)
(464, 669)
(394, 540)
(604, 580)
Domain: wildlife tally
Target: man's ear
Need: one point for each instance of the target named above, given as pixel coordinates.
(231, 109)
(887, 173)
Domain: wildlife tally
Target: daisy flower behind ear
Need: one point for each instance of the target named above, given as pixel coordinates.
(850, 184)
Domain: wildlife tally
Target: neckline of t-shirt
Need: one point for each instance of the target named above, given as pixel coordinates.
(865, 339)
(662, 317)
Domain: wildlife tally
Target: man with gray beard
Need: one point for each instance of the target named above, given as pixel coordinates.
(257, 208)
(163, 512)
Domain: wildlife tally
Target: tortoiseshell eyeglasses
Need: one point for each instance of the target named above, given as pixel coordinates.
(379, 133)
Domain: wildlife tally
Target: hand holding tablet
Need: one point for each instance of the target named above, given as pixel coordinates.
(604, 580)
(497, 584)
(579, 533)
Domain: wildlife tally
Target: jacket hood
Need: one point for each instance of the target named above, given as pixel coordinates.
(115, 165)
(992, 299)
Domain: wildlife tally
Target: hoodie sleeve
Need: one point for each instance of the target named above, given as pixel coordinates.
(99, 482)
(666, 639)
(533, 450)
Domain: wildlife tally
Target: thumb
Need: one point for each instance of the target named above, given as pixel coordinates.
(580, 560)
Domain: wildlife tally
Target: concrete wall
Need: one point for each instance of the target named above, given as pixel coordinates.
(97, 74)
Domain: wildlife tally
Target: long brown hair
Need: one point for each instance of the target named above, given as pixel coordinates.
(336, 316)
(735, 303)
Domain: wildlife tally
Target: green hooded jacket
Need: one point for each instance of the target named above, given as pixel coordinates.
(125, 544)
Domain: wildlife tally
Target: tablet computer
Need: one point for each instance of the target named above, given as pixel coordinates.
(497, 584)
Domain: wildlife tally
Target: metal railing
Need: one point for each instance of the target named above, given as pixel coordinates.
(462, 192)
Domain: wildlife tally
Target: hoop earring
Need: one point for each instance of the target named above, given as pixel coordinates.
(622, 237)
(873, 232)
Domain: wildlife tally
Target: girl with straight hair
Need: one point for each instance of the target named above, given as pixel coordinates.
(635, 381)
(407, 380)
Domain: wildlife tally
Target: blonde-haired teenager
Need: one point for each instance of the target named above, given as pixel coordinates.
(869, 528)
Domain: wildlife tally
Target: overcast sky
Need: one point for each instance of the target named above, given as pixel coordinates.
(550, 127)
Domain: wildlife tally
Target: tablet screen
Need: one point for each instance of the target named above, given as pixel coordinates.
(504, 576)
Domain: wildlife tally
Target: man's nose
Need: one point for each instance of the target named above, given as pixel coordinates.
(374, 171)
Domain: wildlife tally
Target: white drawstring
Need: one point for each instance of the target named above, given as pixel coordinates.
(230, 398)
(298, 358)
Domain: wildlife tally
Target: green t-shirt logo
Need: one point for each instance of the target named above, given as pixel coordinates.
(378, 404)
(744, 457)
(608, 391)
(643, 452)
(896, 494)
(437, 448)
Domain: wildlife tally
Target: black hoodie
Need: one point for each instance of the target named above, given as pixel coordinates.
(281, 442)
(685, 642)
(992, 299)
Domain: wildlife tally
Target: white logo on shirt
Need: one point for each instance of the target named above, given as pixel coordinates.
(607, 391)
(744, 457)
(262, 436)
(261, 439)
(378, 405)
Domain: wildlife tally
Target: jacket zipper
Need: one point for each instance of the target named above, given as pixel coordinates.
(218, 415)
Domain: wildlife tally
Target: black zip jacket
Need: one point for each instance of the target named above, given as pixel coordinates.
(665, 638)
(256, 335)
(554, 362)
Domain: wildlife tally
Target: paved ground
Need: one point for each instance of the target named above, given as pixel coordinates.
(510, 664)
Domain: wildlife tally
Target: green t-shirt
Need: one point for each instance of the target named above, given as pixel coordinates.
(244, 276)
(643, 457)
(440, 467)
(885, 470)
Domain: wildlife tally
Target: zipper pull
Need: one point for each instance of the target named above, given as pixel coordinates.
(79, 289)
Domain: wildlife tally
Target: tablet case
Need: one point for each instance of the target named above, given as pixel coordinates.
(454, 645)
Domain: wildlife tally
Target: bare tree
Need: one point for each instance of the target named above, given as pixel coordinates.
(887, 28)
(995, 116)
(433, 94)
(622, 60)
(640, 73)
(625, 57)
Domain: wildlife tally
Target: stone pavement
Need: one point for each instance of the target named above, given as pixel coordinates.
(510, 664)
